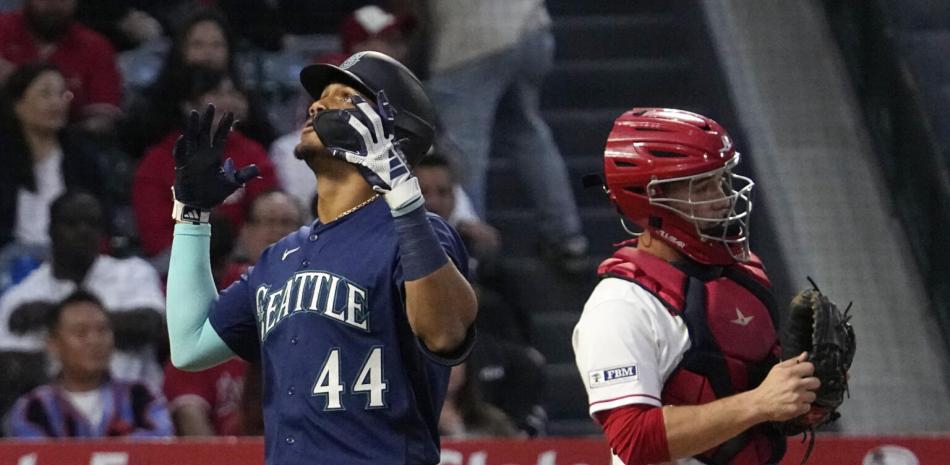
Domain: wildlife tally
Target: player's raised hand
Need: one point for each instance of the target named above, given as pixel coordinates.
(788, 390)
(363, 136)
(201, 181)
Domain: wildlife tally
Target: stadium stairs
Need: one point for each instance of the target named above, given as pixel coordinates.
(611, 55)
(826, 167)
(896, 51)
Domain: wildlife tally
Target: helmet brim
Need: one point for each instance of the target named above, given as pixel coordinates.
(317, 77)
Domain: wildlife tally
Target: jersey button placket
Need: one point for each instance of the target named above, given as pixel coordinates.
(304, 263)
(290, 440)
(314, 237)
(291, 390)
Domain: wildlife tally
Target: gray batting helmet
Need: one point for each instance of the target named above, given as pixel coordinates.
(370, 72)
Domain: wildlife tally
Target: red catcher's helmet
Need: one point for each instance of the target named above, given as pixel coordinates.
(650, 148)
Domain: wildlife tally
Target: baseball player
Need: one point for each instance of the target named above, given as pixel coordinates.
(357, 318)
(677, 344)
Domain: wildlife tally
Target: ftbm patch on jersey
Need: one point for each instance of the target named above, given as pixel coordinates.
(326, 294)
(606, 377)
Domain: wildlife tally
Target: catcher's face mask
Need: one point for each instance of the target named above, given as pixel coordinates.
(717, 203)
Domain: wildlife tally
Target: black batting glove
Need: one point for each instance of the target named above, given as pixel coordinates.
(201, 181)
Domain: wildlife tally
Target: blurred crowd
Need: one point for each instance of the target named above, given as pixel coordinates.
(93, 95)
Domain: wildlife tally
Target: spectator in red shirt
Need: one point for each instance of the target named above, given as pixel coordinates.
(207, 402)
(373, 28)
(45, 30)
(203, 38)
(155, 175)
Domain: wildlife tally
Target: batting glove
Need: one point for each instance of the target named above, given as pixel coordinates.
(201, 181)
(364, 137)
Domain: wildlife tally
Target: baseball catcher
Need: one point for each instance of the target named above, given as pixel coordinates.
(679, 343)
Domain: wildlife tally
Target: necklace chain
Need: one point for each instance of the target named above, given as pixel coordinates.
(365, 202)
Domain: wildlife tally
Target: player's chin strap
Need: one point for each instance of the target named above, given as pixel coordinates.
(188, 214)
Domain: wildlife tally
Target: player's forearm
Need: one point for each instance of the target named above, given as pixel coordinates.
(441, 307)
(695, 428)
(194, 343)
(440, 303)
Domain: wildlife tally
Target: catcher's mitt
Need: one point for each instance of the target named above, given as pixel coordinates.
(816, 325)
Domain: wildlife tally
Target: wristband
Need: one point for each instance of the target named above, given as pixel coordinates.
(420, 251)
(188, 214)
(405, 198)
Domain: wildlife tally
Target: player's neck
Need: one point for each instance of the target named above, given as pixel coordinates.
(340, 193)
(658, 248)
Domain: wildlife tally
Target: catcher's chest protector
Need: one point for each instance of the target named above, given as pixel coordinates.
(730, 315)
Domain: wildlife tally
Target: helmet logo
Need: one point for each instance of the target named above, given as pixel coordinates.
(669, 237)
(726, 145)
(352, 60)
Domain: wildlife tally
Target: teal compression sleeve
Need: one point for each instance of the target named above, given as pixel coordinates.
(195, 345)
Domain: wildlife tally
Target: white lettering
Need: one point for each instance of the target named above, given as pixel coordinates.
(109, 458)
(547, 458)
(478, 458)
(608, 376)
(455, 457)
(301, 281)
(271, 318)
(260, 298)
(320, 278)
(30, 459)
(621, 372)
(328, 307)
(450, 457)
(672, 239)
(285, 301)
(327, 297)
(355, 298)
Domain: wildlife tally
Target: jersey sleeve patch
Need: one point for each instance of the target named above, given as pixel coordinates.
(610, 376)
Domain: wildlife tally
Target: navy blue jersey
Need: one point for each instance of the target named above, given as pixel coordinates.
(345, 380)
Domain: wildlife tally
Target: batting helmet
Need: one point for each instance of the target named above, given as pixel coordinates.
(370, 72)
(648, 149)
